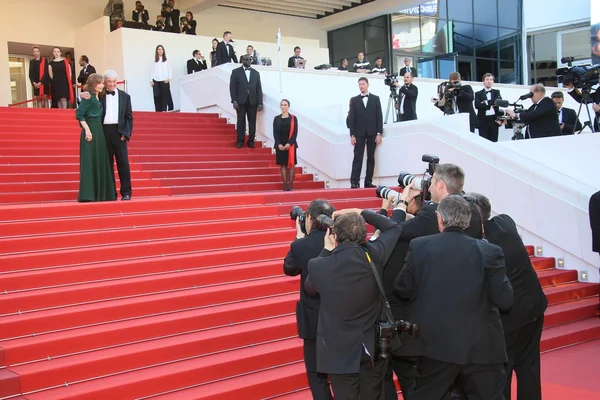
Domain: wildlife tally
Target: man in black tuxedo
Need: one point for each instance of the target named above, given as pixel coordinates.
(140, 14)
(541, 117)
(567, 117)
(487, 113)
(595, 102)
(197, 63)
(86, 70)
(456, 286)
(292, 60)
(594, 210)
(523, 324)
(302, 250)
(175, 14)
(225, 52)
(407, 107)
(247, 99)
(464, 96)
(351, 303)
(365, 120)
(408, 68)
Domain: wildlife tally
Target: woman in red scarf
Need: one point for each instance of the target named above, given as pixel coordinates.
(61, 81)
(285, 131)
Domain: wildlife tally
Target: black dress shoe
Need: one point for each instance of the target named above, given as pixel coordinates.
(353, 186)
(126, 197)
(239, 145)
(251, 145)
(369, 185)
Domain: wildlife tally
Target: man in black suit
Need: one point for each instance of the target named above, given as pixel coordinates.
(523, 324)
(365, 120)
(463, 99)
(456, 286)
(247, 98)
(197, 63)
(408, 68)
(487, 113)
(140, 14)
(351, 303)
(292, 60)
(86, 70)
(225, 52)
(541, 117)
(594, 210)
(407, 107)
(302, 250)
(594, 99)
(567, 117)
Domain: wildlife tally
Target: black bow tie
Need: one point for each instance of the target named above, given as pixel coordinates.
(364, 96)
(110, 93)
(247, 69)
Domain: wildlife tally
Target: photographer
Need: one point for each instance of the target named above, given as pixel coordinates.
(595, 98)
(302, 250)
(407, 108)
(188, 25)
(523, 324)
(140, 14)
(171, 16)
(457, 99)
(541, 117)
(456, 286)
(351, 303)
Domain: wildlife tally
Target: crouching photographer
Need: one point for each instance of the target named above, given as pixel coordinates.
(347, 277)
(310, 234)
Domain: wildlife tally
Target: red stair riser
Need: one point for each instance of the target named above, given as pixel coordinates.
(564, 295)
(566, 340)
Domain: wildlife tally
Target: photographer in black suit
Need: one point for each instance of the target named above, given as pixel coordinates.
(365, 121)
(140, 14)
(407, 106)
(351, 303)
(463, 99)
(487, 113)
(541, 117)
(595, 101)
(247, 99)
(302, 250)
(523, 324)
(567, 117)
(456, 286)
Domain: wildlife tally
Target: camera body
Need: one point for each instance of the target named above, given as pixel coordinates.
(383, 192)
(183, 20)
(422, 184)
(323, 221)
(390, 80)
(386, 331)
(516, 126)
(580, 76)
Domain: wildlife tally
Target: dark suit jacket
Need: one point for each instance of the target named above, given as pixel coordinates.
(135, 15)
(542, 119)
(174, 19)
(292, 61)
(413, 70)
(456, 286)
(482, 104)
(125, 115)
(351, 302)
(83, 76)
(365, 121)
(594, 209)
(222, 56)
(529, 296)
(410, 94)
(570, 121)
(296, 263)
(243, 91)
(576, 95)
(193, 66)
(464, 102)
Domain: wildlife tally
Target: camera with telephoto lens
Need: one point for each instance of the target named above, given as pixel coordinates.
(516, 126)
(579, 76)
(325, 222)
(422, 184)
(390, 79)
(297, 212)
(386, 331)
(183, 20)
(384, 192)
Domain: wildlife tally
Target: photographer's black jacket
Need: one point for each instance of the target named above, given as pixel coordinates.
(351, 302)
(542, 119)
(296, 263)
(410, 93)
(136, 14)
(570, 122)
(464, 102)
(577, 96)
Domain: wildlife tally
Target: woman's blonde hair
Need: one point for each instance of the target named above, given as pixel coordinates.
(93, 81)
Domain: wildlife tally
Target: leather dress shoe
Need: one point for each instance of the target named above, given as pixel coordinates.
(353, 186)
(126, 197)
(369, 185)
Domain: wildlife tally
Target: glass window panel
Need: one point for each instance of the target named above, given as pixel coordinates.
(490, 50)
(426, 68)
(445, 66)
(406, 33)
(460, 10)
(486, 12)
(509, 48)
(465, 68)
(485, 34)
(346, 43)
(435, 36)
(503, 32)
(508, 72)
(442, 7)
(510, 13)
(375, 39)
(462, 38)
(483, 66)
(576, 44)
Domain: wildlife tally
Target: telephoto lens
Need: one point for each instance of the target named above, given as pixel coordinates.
(297, 212)
(408, 327)
(405, 179)
(384, 192)
(325, 222)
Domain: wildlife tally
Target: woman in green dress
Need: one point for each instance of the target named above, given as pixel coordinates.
(95, 179)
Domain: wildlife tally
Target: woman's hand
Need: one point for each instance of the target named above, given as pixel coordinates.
(152, 83)
(88, 135)
(286, 147)
(280, 147)
(167, 80)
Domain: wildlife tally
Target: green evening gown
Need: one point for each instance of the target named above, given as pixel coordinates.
(95, 179)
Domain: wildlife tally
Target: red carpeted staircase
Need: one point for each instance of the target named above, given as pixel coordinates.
(169, 297)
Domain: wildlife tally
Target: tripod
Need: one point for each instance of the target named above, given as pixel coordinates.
(586, 98)
(393, 100)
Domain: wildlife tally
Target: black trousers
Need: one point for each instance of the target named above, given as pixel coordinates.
(163, 101)
(488, 128)
(368, 384)
(250, 111)
(117, 149)
(359, 152)
(523, 349)
(319, 385)
(478, 382)
(405, 371)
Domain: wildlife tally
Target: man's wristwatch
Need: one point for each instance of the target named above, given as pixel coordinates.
(402, 201)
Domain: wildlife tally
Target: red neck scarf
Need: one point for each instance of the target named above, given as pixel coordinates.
(42, 73)
(68, 71)
(291, 152)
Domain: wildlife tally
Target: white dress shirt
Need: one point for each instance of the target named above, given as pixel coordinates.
(112, 109)
(560, 116)
(488, 97)
(161, 71)
(365, 99)
(247, 71)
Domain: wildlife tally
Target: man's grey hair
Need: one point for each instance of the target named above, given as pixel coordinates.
(452, 175)
(455, 212)
(483, 203)
(110, 74)
(538, 88)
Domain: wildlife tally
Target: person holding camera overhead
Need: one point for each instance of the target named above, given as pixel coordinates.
(310, 236)
(351, 308)
(285, 132)
(140, 14)
(171, 15)
(188, 25)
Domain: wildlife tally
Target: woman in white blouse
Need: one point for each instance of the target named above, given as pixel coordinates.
(160, 77)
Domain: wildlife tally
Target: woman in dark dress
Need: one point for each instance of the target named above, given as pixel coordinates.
(285, 131)
(213, 53)
(95, 177)
(61, 80)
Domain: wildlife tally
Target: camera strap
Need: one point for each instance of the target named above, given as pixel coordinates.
(387, 308)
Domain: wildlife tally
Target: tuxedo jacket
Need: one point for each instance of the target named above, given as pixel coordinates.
(351, 302)
(456, 286)
(576, 95)
(243, 91)
(125, 127)
(222, 56)
(85, 73)
(464, 102)
(193, 66)
(482, 104)
(413, 70)
(292, 61)
(365, 121)
(135, 15)
(570, 121)
(530, 299)
(296, 263)
(594, 210)
(542, 119)
(410, 94)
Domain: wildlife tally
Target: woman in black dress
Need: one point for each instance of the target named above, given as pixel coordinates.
(61, 80)
(213, 53)
(285, 131)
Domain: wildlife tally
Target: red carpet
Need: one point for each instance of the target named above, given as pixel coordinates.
(172, 297)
